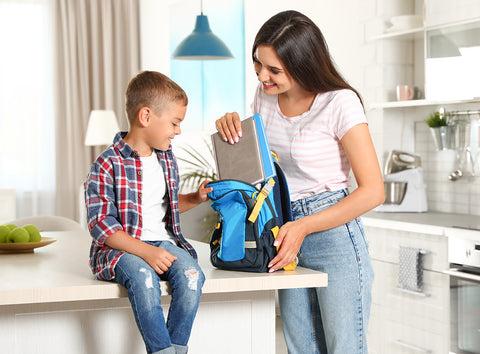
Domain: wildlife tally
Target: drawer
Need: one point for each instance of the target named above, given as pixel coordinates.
(402, 339)
(384, 245)
(411, 308)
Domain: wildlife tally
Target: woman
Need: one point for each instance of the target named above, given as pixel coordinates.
(315, 122)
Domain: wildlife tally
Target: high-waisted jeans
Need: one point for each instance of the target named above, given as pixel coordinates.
(333, 319)
(143, 284)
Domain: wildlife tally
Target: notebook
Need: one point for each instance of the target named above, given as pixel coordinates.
(250, 159)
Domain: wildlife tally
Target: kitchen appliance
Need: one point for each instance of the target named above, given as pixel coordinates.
(464, 272)
(403, 181)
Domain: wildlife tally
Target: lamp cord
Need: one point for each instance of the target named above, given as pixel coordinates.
(201, 7)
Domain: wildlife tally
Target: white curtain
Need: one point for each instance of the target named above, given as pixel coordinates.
(27, 140)
(97, 51)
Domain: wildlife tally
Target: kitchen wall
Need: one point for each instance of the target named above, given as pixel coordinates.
(373, 67)
(461, 196)
(401, 61)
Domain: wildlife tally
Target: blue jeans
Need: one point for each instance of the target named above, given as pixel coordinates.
(332, 319)
(143, 284)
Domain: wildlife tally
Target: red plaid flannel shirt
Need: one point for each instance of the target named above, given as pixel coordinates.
(113, 192)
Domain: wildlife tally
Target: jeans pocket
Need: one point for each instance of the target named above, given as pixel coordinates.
(359, 223)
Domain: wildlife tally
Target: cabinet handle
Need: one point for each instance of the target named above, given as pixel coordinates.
(411, 346)
(412, 292)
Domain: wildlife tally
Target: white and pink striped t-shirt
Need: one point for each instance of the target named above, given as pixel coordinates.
(308, 146)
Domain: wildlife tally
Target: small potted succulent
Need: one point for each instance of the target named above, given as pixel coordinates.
(442, 129)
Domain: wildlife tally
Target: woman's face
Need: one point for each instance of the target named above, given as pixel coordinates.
(271, 71)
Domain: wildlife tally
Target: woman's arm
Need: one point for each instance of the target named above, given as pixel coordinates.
(360, 151)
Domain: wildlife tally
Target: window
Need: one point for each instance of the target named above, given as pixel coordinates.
(214, 87)
(27, 139)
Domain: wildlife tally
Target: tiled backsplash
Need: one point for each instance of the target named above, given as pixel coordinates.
(461, 196)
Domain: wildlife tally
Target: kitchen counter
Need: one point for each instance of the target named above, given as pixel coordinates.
(52, 290)
(446, 224)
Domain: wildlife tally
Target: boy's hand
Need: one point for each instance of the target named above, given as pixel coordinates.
(203, 191)
(159, 259)
(191, 200)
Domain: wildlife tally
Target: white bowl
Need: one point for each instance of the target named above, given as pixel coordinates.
(406, 22)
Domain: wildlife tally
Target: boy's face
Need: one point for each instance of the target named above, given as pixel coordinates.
(163, 127)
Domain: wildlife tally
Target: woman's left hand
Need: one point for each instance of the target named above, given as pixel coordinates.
(289, 240)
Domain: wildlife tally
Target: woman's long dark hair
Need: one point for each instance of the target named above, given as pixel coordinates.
(301, 47)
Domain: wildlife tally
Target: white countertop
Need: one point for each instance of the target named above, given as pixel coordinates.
(59, 272)
(434, 223)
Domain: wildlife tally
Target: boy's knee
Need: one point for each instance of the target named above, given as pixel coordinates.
(195, 278)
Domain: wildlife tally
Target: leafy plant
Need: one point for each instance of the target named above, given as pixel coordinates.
(437, 119)
(197, 168)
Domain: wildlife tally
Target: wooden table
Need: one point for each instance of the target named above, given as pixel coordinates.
(51, 303)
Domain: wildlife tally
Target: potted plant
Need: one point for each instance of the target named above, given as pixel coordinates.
(441, 129)
(197, 168)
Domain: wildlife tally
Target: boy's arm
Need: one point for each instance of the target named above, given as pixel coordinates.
(158, 258)
(191, 200)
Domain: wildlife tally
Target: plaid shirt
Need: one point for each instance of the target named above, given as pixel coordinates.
(113, 192)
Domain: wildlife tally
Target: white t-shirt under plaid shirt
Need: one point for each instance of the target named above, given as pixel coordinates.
(308, 146)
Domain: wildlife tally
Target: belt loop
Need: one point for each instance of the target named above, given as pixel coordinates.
(304, 206)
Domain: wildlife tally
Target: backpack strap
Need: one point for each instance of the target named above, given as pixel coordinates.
(267, 188)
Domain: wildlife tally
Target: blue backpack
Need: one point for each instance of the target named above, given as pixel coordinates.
(248, 222)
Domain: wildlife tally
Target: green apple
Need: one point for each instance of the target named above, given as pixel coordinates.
(34, 234)
(11, 226)
(18, 235)
(4, 231)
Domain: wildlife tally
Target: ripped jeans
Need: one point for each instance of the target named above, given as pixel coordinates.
(142, 282)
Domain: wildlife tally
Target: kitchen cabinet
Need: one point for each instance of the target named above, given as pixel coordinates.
(412, 68)
(403, 321)
(399, 125)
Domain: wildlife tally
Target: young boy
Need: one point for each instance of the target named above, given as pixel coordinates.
(133, 209)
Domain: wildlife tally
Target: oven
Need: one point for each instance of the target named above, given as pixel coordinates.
(464, 259)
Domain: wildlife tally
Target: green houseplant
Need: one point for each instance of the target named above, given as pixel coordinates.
(437, 119)
(196, 168)
(441, 129)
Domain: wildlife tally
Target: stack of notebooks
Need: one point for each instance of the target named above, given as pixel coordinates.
(249, 160)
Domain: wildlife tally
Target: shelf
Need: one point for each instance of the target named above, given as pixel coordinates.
(403, 34)
(417, 103)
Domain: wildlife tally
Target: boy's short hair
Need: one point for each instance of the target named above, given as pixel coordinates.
(154, 90)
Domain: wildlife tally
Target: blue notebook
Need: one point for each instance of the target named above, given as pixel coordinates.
(268, 168)
(250, 159)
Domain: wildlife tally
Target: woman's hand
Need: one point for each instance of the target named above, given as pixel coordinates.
(289, 240)
(230, 127)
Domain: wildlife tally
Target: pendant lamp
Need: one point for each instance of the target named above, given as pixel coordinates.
(202, 44)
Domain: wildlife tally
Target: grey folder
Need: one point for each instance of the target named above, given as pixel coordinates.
(243, 160)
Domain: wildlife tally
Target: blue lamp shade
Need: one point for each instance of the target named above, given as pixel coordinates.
(202, 44)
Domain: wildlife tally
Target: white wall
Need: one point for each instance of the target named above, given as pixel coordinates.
(374, 68)
(339, 21)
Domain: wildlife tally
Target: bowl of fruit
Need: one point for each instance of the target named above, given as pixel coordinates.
(21, 239)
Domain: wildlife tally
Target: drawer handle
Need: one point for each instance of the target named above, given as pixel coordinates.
(410, 346)
(412, 292)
